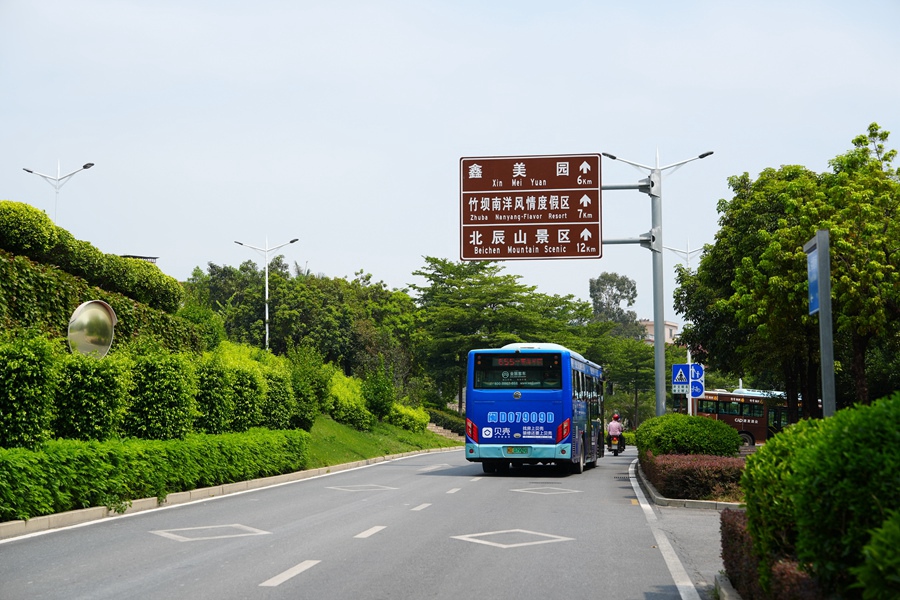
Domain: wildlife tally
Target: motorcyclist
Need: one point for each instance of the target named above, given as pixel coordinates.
(614, 428)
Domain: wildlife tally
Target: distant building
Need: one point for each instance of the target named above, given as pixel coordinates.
(671, 331)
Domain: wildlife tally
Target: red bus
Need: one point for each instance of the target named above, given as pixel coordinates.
(755, 414)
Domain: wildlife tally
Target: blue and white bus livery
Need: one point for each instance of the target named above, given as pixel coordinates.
(533, 404)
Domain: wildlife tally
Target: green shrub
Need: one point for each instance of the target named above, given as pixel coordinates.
(695, 476)
(412, 419)
(741, 565)
(215, 395)
(63, 475)
(378, 391)
(676, 433)
(310, 378)
(770, 506)
(163, 404)
(844, 486)
(25, 230)
(279, 405)
(879, 575)
(27, 387)
(450, 421)
(92, 396)
(249, 392)
(348, 406)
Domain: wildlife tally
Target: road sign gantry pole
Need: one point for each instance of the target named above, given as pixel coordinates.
(652, 240)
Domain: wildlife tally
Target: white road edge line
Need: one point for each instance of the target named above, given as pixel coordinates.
(682, 580)
(370, 532)
(296, 570)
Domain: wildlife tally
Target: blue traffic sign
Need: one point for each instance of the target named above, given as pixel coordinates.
(680, 375)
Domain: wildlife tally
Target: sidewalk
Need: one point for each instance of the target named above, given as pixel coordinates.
(693, 528)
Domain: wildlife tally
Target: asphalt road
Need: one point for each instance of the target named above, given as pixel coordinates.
(426, 526)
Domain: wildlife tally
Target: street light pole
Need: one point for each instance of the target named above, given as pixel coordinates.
(652, 186)
(686, 255)
(265, 252)
(58, 181)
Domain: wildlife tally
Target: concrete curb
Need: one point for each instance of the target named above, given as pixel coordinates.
(13, 529)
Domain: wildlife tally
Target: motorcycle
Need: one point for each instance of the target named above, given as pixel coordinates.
(616, 444)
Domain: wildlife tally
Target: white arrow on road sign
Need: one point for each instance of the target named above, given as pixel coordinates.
(585, 167)
(586, 235)
(585, 200)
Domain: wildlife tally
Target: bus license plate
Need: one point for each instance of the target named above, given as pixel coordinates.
(517, 449)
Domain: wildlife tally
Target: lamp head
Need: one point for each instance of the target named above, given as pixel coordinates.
(88, 166)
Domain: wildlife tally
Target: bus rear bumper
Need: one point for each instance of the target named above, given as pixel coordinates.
(522, 452)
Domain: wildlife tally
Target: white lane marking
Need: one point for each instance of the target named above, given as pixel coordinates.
(517, 534)
(476, 479)
(209, 532)
(422, 506)
(370, 532)
(453, 491)
(296, 570)
(682, 581)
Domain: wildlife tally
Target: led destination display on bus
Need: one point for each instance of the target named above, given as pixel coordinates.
(518, 361)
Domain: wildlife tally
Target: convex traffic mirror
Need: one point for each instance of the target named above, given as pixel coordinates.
(91, 328)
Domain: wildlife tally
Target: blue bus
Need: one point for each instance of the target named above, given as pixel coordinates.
(533, 404)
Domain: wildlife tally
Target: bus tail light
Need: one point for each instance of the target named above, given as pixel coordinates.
(562, 432)
(471, 431)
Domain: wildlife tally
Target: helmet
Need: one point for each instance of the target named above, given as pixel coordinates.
(615, 416)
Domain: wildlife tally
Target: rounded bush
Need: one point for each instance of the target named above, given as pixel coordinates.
(676, 433)
(26, 230)
(770, 507)
(845, 485)
(879, 574)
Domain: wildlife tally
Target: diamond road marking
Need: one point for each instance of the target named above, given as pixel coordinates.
(519, 534)
(227, 531)
(361, 488)
(546, 491)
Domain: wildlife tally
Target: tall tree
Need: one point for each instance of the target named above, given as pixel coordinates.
(608, 292)
(748, 299)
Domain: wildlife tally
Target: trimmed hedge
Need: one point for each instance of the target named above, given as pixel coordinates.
(770, 505)
(449, 421)
(694, 477)
(28, 231)
(92, 396)
(845, 486)
(66, 475)
(676, 433)
(27, 390)
(823, 496)
(43, 297)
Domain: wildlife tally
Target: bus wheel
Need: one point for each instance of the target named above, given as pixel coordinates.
(578, 467)
(747, 438)
(488, 467)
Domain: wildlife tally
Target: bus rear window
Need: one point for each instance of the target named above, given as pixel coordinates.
(517, 370)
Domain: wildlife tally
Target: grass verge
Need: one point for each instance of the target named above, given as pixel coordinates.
(335, 444)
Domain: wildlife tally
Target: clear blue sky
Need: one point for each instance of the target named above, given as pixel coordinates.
(342, 122)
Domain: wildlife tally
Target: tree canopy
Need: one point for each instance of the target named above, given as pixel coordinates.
(747, 301)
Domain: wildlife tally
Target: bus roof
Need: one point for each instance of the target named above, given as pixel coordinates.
(541, 346)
